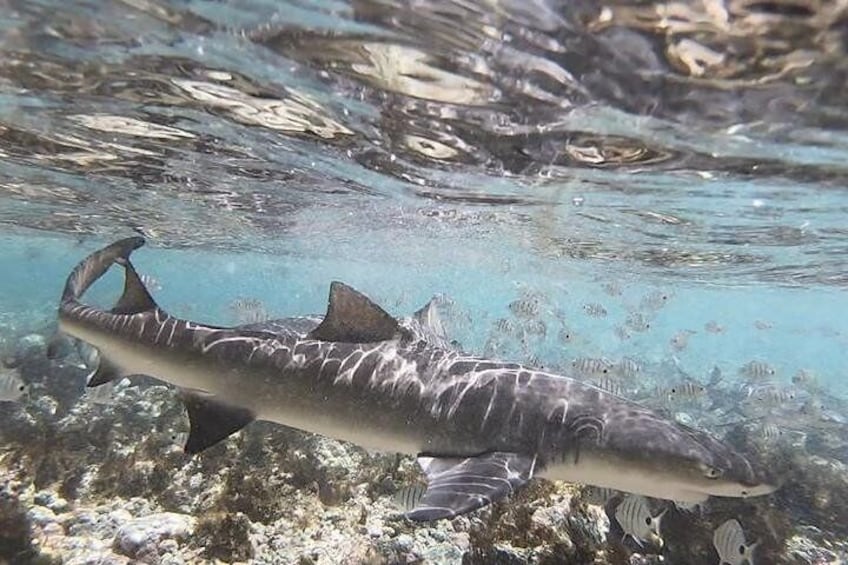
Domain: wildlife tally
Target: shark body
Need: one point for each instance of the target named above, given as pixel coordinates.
(480, 428)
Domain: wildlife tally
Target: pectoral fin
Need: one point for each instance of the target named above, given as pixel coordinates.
(212, 420)
(459, 485)
(105, 372)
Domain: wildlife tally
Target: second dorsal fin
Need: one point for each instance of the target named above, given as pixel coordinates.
(353, 318)
(430, 323)
(135, 298)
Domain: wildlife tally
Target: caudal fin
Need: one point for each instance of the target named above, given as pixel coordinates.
(95, 266)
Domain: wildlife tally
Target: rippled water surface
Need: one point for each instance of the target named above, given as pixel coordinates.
(681, 143)
(589, 155)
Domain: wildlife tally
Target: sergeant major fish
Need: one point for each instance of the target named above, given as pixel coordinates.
(634, 516)
(729, 542)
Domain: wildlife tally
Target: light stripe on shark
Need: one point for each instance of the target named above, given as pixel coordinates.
(256, 343)
(360, 375)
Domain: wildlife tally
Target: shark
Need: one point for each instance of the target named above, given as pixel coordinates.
(479, 428)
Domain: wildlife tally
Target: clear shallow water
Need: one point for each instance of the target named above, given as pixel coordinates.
(481, 151)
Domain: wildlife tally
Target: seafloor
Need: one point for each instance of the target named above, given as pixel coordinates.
(104, 480)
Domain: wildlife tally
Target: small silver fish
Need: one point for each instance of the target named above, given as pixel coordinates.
(612, 288)
(12, 388)
(634, 517)
(769, 431)
(729, 542)
(609, 384)
(812, 408)
(595, 310)
(179, 439)
(89, 355)
(622, 333)
(598, 496)
(806, 380)
(757, 370)
(249, 311)
(763, 325)
(771, 395)
(628, 367)
(527, 307)
(684, 390)
(638, 322)
(170, 441)
(715, 376)
(408, 497)
(533, 360)
(536, 328)
(713, 327)
(506, 326)
(566, 335)
(654, 300)
(592, 366)
(680, 340)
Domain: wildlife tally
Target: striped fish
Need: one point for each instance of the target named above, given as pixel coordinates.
(595, 310)
(757, 371)
(609, 384)
(249, 311)
(806, 380)
(729, 542)
(684, 390)
(536, 328)
(612, 288)
(655, 300)
(634, 517)
(770, 431)
(89, 355)
(638, 322)
(408, 497)
(771, 395)
(628, 367)
(566, 335)
(598, 496)
(526, 308)
(505, 326)
(592, 366)
(12, 388)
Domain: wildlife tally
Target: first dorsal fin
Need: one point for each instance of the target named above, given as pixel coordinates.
(135, 298)
(353, 318)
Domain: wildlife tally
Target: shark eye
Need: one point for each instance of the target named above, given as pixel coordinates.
(648, 521)
(741, 550)
(712, 472)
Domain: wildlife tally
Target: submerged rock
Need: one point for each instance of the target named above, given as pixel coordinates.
(224, 537)
(15, 528)
(145, 536)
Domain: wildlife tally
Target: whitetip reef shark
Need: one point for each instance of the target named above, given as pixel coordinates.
(480, 428)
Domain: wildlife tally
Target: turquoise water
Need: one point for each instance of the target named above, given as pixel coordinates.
(480, 152)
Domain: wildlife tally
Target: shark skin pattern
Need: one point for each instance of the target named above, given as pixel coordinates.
(480, 428)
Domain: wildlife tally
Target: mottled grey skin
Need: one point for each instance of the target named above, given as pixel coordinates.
(412, 394)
